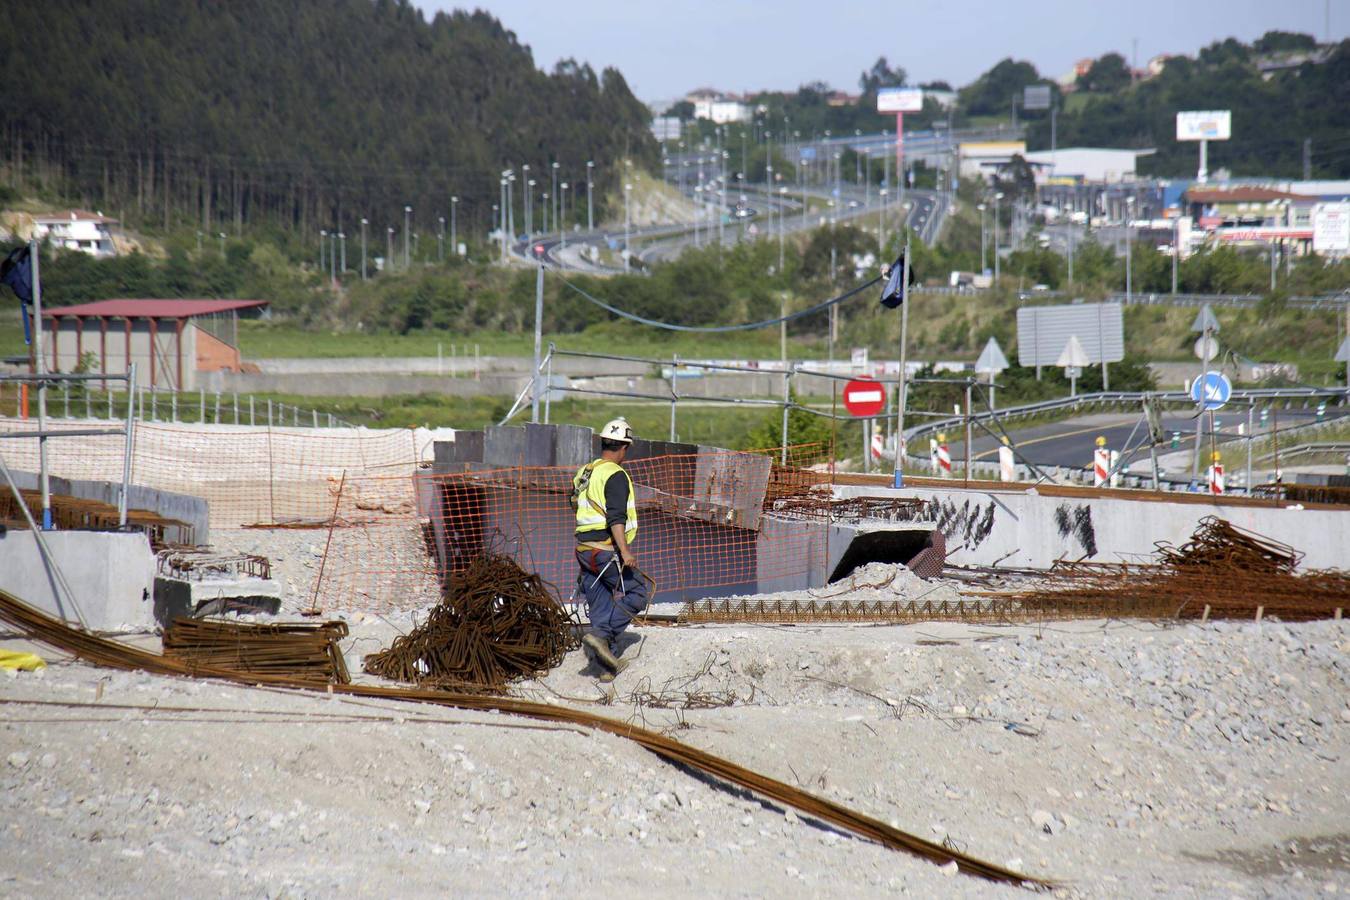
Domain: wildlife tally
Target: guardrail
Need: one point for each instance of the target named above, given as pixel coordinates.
(1112, 398)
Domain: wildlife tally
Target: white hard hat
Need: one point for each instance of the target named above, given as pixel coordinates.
(617, 430)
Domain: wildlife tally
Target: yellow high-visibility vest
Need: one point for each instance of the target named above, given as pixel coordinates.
(591, 501)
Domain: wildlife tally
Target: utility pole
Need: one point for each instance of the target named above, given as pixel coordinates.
(555, 194)
(364, 223)
(981, 207)
(454, 245)
(389, 250)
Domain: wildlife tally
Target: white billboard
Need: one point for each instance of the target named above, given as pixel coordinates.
(1205, 125)
(899, 100)
(1331, 228)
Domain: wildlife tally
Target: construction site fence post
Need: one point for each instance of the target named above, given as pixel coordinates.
(787, 403)
(127, 451)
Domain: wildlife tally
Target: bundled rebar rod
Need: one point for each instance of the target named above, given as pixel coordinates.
(303, 650)
(1221, 572)
(496, 624)
(39, 626)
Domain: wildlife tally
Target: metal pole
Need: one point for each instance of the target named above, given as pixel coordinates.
(364, 223)
(590, 206)
(548, 384)
(407, 230)
(538, 340)
(787, 401)
(1176, 251)
(967, 411)
(40, 368)
(674, 371)
(900, 386)
(127, 450)
(1250, 437)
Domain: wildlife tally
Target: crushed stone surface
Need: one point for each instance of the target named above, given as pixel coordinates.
(1120, 759)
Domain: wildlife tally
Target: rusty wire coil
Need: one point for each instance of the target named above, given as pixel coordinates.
(496, 624)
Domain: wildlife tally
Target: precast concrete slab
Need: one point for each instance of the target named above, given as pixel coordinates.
(110, 575)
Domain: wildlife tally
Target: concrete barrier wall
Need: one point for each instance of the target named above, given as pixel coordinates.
(360, 385)
(111, 576)
(1024, 528)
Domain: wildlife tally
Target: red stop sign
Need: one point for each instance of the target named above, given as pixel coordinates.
(864, 397)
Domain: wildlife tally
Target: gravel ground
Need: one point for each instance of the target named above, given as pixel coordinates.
(1121, 759)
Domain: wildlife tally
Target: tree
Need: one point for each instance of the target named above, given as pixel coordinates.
(683, 110)
(1284, 42)
(994, 91)
(879, 76)
(1107, 75)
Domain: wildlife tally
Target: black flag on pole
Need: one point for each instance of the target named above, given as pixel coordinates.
(17, 272)
(894, 292)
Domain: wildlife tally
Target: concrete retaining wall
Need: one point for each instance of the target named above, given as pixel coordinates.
(111, 576)
(1024, 528)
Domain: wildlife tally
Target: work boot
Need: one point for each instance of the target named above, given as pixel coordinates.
(600, 648)
(607, 676)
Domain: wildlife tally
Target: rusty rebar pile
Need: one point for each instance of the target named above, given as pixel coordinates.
(1222, 572)
(496, 624)
(304, 650)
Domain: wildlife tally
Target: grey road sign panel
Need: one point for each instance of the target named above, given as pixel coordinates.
(1043, 332)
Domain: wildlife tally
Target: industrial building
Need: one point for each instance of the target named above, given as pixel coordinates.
(170, 341)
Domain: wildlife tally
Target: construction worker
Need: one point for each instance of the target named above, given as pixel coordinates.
(603, 497)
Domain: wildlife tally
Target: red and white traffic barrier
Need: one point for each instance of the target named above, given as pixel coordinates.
(944, 457)
(1216, 476)
(933, 456)
(1101, 463)
(1007, 466)
(878, 443)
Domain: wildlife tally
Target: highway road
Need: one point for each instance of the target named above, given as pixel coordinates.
(1070, 443)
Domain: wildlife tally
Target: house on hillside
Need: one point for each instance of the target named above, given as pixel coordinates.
(77, 229)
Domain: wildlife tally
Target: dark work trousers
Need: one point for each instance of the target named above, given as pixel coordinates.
(612, 597)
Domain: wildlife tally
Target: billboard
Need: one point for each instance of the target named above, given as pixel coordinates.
(1205, 125)
(1036, 96)
(1331, 228)
(1044, 331)
(899, 100)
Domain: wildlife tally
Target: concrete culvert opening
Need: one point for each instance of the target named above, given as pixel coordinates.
(899, 545)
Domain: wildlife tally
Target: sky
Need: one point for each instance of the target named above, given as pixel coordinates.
(668, 49)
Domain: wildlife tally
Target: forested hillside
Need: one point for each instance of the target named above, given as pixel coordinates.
(1274, 113)
(304, 113)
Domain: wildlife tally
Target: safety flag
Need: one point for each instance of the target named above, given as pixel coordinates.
(894, 293)
(17, 272)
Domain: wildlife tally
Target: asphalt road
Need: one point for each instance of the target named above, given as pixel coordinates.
(1070, 443)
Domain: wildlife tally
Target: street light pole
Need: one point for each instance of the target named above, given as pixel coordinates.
(983, 264)
(562, 223)
(901, 400)
(342, 244)
(998, 195)
(555, 194)
(389, 250)
(627, 225)
(364, 222)
(1129, 247)
(881, 223)
(454, 245)
(590, 185)
(407, 231)
(440, 239)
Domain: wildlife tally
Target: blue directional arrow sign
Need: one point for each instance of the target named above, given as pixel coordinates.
(1213, 389)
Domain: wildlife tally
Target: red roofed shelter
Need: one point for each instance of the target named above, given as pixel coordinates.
(170, 341)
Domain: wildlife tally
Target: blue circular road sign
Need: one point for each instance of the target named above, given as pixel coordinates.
(1213, 389)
